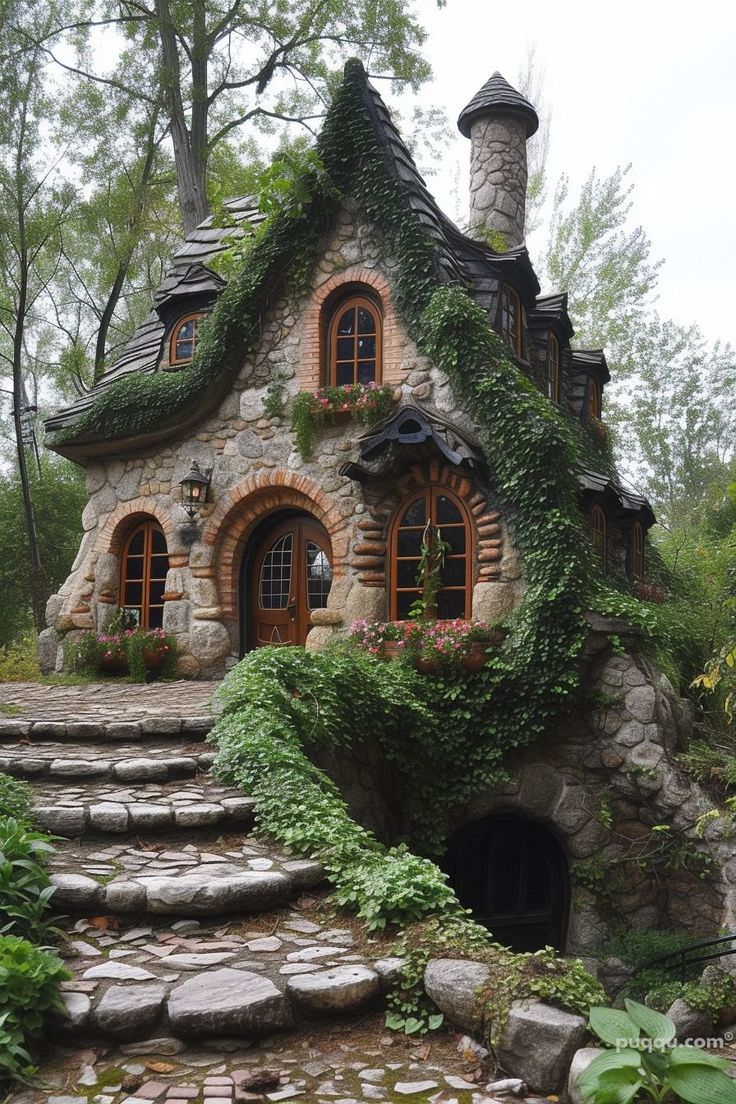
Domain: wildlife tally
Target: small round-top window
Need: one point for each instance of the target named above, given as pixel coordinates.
(355, 344)
(184, 339)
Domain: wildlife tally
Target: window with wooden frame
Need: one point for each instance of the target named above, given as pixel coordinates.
(553, 367)
(184, 338)
(432, 511)
(354, 343)
(598, 534)
(637, 552)
(511, 318)
(143, 570)
(594, 400)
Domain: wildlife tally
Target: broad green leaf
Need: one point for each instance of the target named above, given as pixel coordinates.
(617, 1087)
(613, 1027)
(689, 1056)
(653, 1024)
(613, 1059)
(702, 1085)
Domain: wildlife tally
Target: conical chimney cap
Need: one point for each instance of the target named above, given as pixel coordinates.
(497, 97)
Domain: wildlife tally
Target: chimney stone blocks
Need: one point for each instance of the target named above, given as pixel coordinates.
(498, 178)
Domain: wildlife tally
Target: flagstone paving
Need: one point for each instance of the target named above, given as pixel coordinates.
(191, 942)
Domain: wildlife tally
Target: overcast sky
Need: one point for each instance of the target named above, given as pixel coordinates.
(642, 81)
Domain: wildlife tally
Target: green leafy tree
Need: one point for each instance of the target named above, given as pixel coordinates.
(219, 69)
(59, 497)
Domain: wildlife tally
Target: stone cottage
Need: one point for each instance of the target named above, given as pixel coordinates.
(284, 549)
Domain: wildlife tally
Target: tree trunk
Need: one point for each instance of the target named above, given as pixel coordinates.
(37, 575)
(190, 155)
(124, 264)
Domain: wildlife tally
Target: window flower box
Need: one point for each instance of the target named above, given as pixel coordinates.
(365, 403)
(430, 645)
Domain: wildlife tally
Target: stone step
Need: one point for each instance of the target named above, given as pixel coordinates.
(106, 808)
(132, 727)
(229, 875)
(194, 981)
(152, 761)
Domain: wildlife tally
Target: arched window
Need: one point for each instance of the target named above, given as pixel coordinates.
(435, 510)
(637, 552)
(594, 400)
(598, 534)
(553, 367)
(184, 339)
(355, 343)
(143, 574)
(511, 318)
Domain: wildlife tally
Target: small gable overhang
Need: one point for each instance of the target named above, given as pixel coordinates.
(408, 427)
(593, 484)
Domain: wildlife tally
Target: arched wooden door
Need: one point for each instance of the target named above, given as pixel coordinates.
(290, 577)
(512, 874)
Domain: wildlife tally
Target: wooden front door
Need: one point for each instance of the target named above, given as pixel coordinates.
(511, 873)
(291, 576)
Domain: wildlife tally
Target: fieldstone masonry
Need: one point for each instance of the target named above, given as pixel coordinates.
(256, 470)
(498, 178)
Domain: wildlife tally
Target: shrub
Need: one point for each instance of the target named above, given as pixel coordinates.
(29, 983)
(15, 798)
(24, 884)
(19, 660)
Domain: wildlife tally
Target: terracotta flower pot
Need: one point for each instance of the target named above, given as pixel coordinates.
(114, 664)
(426, 665)
(391, 649)
(154, 658)
(475, 658)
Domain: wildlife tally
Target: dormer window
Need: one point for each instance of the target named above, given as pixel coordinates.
(184, 339)
(594, 400)
(511, 318)
(637, 552)
(355, 343)
(553, 367)
(598, 534)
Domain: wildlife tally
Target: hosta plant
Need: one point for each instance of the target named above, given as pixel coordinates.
(646, 1065)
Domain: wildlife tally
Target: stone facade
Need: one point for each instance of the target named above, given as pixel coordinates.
(256, 471)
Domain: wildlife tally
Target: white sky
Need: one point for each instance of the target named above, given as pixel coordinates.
(648, 82)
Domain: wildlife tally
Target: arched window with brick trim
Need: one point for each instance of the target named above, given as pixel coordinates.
(432, 513)
(143, 569)
(599, 534)
(354, 343)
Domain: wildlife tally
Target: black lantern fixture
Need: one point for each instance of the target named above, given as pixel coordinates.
(194, 489)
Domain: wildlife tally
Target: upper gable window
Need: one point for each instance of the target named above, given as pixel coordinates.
(184, 339)
(355, 343)
(553, 367)
(594, 400)
(511, 318)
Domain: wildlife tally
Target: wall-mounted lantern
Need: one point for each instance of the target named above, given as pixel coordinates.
(194, 489)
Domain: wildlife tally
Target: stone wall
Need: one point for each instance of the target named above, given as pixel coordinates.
(601, 784)
(256, 470)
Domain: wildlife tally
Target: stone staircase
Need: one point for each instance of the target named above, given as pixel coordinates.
(179, 924)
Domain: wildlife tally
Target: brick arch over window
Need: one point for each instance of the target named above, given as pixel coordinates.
(239, 511)
(393, 331)
(368, 556)
(126, 516)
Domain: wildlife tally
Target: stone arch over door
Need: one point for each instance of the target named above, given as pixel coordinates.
(237, 516)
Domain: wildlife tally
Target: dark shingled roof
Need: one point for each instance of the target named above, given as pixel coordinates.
(497, 97)
(187, 276)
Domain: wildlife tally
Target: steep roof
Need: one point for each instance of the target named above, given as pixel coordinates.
(498, 97)
(187, 276)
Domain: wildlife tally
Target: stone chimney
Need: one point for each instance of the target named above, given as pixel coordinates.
(498, 121)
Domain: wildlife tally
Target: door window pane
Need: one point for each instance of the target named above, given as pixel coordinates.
(319, 576)
(275, 578)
